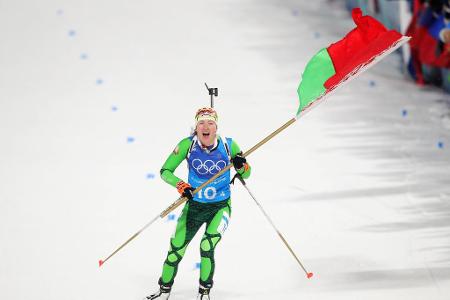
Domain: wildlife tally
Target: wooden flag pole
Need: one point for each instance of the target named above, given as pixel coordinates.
(357, 71)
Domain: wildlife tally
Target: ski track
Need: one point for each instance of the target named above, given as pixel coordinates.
(95, 95)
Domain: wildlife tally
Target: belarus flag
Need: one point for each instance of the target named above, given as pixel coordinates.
(333, 65)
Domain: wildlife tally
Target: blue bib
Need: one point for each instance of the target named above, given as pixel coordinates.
(203, 165)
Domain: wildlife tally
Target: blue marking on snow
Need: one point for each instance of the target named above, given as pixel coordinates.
(72, 33)
(130, 139)
(372, 83)
(99, 81)
(83, 56)
(197, 266)
(404, 113)
(171, 217)
(114, 108)
(316, 35)
(150, 176)
(440, 145)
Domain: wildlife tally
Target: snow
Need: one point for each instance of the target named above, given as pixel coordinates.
(360, 187)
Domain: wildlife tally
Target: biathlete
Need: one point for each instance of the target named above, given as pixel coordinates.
(206, 154)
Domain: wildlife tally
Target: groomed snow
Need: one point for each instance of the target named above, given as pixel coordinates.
(95, 95)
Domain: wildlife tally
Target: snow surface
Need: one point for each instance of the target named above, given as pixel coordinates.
(94, 96)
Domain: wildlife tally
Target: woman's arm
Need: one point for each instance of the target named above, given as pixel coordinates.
(173, 161)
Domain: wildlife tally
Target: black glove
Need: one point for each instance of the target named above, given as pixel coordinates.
(188, 193)
(185, 190)
(238, 161)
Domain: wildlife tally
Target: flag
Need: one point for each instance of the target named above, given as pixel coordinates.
(332, 65)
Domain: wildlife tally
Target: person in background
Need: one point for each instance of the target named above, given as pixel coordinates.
(444, 35)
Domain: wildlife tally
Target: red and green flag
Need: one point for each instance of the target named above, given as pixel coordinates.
(330, 67)
(336, 63)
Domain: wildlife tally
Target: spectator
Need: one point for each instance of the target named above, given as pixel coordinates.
(444, 35)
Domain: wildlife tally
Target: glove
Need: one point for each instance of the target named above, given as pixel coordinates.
(185, 190)
(238, 161)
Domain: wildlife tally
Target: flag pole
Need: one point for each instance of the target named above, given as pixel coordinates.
(270, 136)
(302, 111)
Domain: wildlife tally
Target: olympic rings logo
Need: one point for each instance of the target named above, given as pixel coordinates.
(208, 166)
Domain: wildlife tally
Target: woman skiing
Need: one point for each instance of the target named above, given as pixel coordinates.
(206, 154)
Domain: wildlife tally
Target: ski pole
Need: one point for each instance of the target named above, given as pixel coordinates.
(238, 176)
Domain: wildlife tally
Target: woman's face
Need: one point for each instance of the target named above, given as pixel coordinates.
(206, 132)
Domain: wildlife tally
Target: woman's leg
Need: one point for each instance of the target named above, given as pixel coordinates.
(187, 227)
(215, 229)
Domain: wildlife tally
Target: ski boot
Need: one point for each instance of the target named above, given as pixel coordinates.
(162, 294)
(203, 293)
